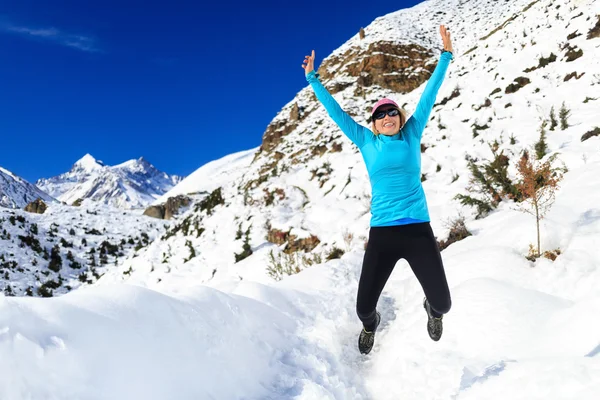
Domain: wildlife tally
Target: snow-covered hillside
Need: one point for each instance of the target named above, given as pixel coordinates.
(16, 192)
(132, 184)
(67, 247)
(250, 292)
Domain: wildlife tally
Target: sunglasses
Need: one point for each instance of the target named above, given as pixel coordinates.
(392, 112)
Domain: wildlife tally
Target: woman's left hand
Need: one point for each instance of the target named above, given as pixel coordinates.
(446, 38)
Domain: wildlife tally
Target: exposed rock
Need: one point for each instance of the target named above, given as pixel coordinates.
(169, 209)
(336, 147)
(174, 204)
(400, 68)
(295, 113)
(455, 93)
(319, 150)
(519, 83)
(595, 31)
(275, 131)
(573, 53)
(155, 212)
(293, 243)
(392, 66)
(307, 245)
(37, 206)
(589, 134)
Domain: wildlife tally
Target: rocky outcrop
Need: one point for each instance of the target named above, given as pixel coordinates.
(387, 65)
(37, 206)
(277, 130)
(293, 243)
(169, 209)
(400, 68)
(155, 211)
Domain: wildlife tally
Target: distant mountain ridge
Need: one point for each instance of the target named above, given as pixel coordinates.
(16, 192)
(132, 184)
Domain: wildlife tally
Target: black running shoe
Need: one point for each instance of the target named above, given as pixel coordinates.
(434, 324)
(366, 339)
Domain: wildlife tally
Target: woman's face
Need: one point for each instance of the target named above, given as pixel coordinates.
(386, 124)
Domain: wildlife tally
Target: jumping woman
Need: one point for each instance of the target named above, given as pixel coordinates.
(400, 226)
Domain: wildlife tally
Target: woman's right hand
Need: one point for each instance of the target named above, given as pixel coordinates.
(309, 63)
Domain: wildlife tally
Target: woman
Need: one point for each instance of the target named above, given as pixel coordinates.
(400, 219)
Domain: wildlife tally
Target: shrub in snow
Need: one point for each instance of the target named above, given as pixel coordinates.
(538, 184)
(335, 253)
(543, 62)
(246, 249)
(458, 231)
(455, 93)
(211, 201)
(282, 264)
(490, 183)
(477, 127)
(32, 242)
(55, 259)
(192, 251)
(552, 254)
(46, 289)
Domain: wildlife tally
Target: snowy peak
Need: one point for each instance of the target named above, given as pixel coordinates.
(88, 164)
(131, 184)
(16, 192)
(141, 165)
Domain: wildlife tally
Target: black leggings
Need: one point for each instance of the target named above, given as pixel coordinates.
(417, 245)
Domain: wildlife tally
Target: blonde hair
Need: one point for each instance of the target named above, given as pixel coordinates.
(402, 122)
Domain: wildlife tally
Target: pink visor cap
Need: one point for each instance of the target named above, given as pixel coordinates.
(384, 102)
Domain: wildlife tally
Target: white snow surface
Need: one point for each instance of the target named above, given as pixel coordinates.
(206, 327)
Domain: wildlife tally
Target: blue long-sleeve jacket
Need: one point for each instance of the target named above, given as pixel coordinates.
(393, 162)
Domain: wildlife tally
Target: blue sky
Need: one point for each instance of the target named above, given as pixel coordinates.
(180, 83)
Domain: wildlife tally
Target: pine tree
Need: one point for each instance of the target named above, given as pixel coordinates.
(541, 147)
(553, 122)
(564, 114)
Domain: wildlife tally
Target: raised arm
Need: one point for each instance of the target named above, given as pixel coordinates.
(416, 123)
(355, 132)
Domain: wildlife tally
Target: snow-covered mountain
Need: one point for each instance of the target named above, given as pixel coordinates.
(16, 192)
(132, 184)
(259, 275)
(306, 187)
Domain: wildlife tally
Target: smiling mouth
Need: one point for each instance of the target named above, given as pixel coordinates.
(388, 125)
